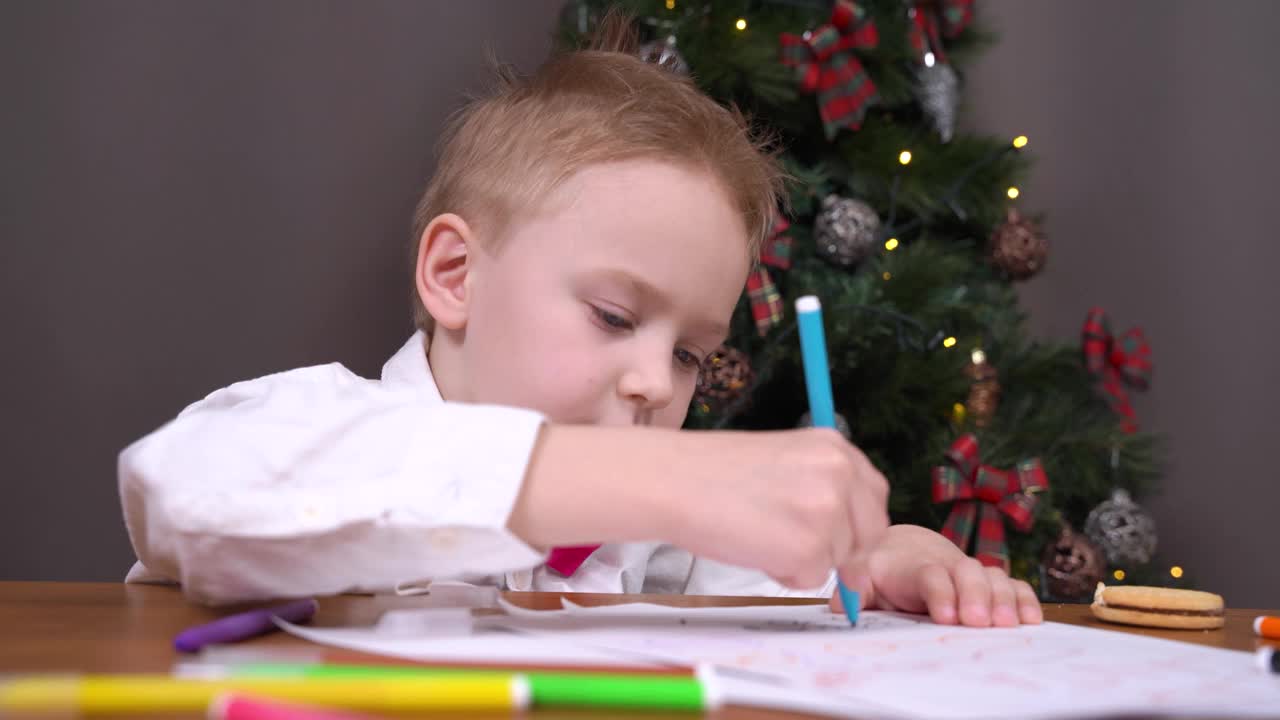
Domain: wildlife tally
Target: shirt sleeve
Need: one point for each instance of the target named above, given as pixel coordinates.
(713, 578)
(317, 481)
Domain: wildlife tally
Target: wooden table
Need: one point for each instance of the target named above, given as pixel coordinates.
(101, 627)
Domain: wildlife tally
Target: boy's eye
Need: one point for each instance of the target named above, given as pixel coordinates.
(687, 359)
(612, 320)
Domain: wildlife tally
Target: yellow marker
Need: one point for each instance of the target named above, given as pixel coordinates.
(138, 694)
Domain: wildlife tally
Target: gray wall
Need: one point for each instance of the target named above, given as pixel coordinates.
(1154, 125)
(197, 193)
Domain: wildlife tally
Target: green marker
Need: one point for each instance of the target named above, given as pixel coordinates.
(548, 689)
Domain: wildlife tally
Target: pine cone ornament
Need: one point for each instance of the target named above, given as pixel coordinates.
(845, 230)
(725, 376)
(1018, 247)
(1073, 565)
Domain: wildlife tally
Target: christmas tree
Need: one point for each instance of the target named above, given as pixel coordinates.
(909, 232)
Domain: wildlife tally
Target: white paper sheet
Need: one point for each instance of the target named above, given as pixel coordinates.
(485, 648)
(807, 659)
(915, 668)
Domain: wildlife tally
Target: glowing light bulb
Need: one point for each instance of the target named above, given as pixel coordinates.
(1012, 192)
(949, 342)
(1119, 575)
(741, 24)
(1020, 141)
(904, 157)
(887, 275)
(978, 357)
(1175, 571)
(671, 4)
(891, 244)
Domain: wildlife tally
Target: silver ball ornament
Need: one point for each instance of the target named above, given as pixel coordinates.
(842, 425)
(663, 52)
(1124, 531)
(845, 230)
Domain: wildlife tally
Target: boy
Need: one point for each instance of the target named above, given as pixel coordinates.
(579, 252)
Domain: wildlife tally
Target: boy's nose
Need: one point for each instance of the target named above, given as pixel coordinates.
(649, 385)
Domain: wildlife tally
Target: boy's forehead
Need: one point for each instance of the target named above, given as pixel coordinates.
(626, 184)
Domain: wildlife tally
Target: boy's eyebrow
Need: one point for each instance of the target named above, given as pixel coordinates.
(712, 328)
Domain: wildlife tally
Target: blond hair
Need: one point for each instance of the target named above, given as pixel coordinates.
(503, 153)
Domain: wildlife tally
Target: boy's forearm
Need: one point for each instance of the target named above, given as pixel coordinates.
(600, 484)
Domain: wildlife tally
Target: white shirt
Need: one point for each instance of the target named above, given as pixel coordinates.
(317, 481)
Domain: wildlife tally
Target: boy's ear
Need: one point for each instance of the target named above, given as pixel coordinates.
(444, 264)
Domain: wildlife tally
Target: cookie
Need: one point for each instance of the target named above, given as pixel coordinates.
(1158, 607)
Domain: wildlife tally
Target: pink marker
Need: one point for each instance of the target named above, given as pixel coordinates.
(230, 706)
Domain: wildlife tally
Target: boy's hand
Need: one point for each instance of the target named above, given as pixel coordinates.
(914, 569)
(794, 504)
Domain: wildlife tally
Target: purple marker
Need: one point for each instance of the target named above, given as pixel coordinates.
(243, 626)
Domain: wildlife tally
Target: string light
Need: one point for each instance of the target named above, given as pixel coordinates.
(887, 275)
(1119, 574)
(891, 244)
(1018, 142)
(671, 4)
(741, 24)
(904, 157)
(1012, 192)
(1175, 571)
(978, 357)
(958, 411)
(949, 342)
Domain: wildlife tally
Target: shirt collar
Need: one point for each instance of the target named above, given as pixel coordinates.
(408, 369)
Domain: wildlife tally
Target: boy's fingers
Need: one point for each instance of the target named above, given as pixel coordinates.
(939, 593)
(973, 591)
(856, 575)
(871, 477)
(1029, 610)
(1004, 608)
(869, 513)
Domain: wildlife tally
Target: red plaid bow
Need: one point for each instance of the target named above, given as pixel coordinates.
(824, 64)
(927, 27)
(983, 493)
(766, 303)
(1117, 363)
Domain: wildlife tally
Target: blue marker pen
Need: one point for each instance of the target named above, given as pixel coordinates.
(817, 379)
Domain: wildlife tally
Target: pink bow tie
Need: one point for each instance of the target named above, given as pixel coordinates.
(567, 560)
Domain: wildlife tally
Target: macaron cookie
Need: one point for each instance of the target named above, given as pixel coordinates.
(1158, 607)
